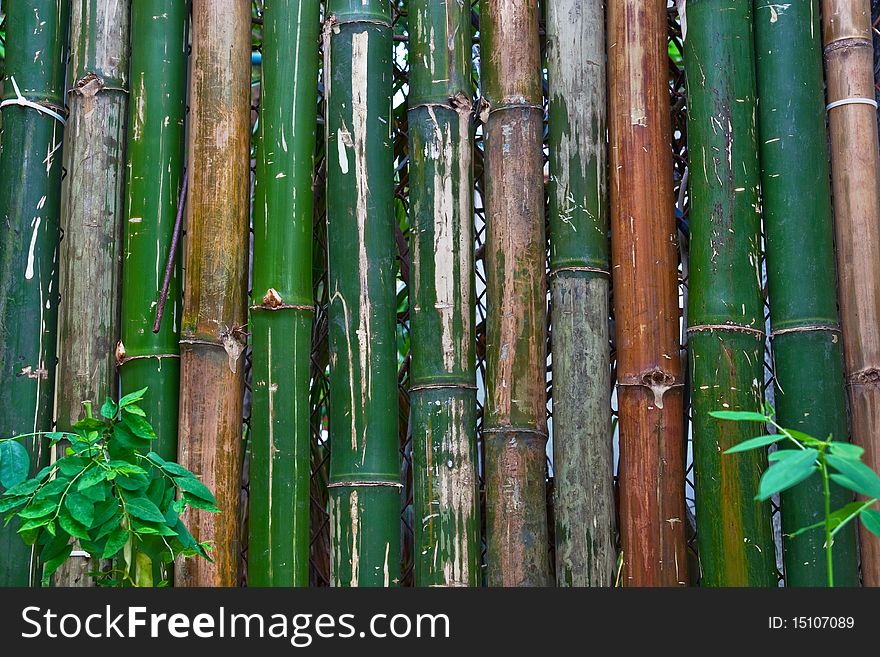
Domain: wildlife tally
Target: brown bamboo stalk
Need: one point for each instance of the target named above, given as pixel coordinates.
(215, 263)
(855, 163)
(645, 260)
(515, 427)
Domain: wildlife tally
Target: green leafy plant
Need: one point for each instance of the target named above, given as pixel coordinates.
(799, 457)
(110, 492)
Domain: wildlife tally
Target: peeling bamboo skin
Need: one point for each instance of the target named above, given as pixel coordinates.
(725, 308)
(645, 261)
(800, 268)
(515, 423)
(582, 450)
(364, 463)
(91, 217)
(281, 303)
(94, 157)
(855, 166)
(215, 266)
(155, 153)
(442, 370)
(30, 163)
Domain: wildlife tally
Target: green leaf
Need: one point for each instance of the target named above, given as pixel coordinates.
(52, 488)
(195, 487)
(847, 451)
(95, 493)
(88, 424)
(176, 470)
(836, 519)
(784, 474)
(781, 454)
(72, 526)
(39, 509)
(132, 397)
(139, 427)
(754, 443)
(81, 508)
(14, 463)
(71, 465)
(93, 476)
(871, 520)
(144, 509)
(115, 542)
(109, 409)
(133, 482)
(134, 410)
(864, 478)
(126, 468)
(804, 438)
(740, 416)
(34, 523)
(24, 488)
(199, 503)
(49, 567)
(9, 502)
(126, 439)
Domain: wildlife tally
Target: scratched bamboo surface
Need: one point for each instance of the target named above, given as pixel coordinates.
(215, 266)
(855, 168)
(30, 165)
(91, 218)
(644, 263)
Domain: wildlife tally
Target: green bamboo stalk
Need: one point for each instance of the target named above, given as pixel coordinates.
(215, 293)
(579, 269)
(515, 422)
(364, 463)
(155, 155)
(30, 166)
(807, 349)
(92, 206)
(725, 309)
(282, 308)
(443, 372)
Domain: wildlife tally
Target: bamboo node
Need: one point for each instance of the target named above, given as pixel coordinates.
(272, 299)
(736, 328)
(120, 353)
(88, 85)
(869, 376)
(483, 109)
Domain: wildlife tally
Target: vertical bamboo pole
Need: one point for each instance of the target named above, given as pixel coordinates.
(579, 269)
(725, 307)
(215, 265)
(30, 159)
(515, 424)
(92, 206)
(855, 166)
(282, 308)
(807, 349)
(443, 372)
(364, 463)
(155, 154)
(645, 256)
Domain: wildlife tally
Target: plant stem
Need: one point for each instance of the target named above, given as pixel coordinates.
(826, 492)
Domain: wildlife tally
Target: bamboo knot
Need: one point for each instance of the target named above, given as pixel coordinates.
(870, 376)
(272, 299)
(89, 85)
(655, 380)
(120, 353)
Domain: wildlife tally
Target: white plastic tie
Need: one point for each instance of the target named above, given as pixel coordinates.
(24, 102)
(851, 101)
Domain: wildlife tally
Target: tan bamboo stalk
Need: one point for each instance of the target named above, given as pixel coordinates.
(215, 265)
(91, 211)
(515, 426)
(644, 271)
(855, 164)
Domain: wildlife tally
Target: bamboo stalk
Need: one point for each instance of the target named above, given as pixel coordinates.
(92, 207)
(582, 453)
(215, 265)
(855, 167)
(364, 464)
(155, 154)
(515, 423)
(807, 349)
(725, 306)
(443, 373)
(282, 307)
(645, 257)
(30, 157)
